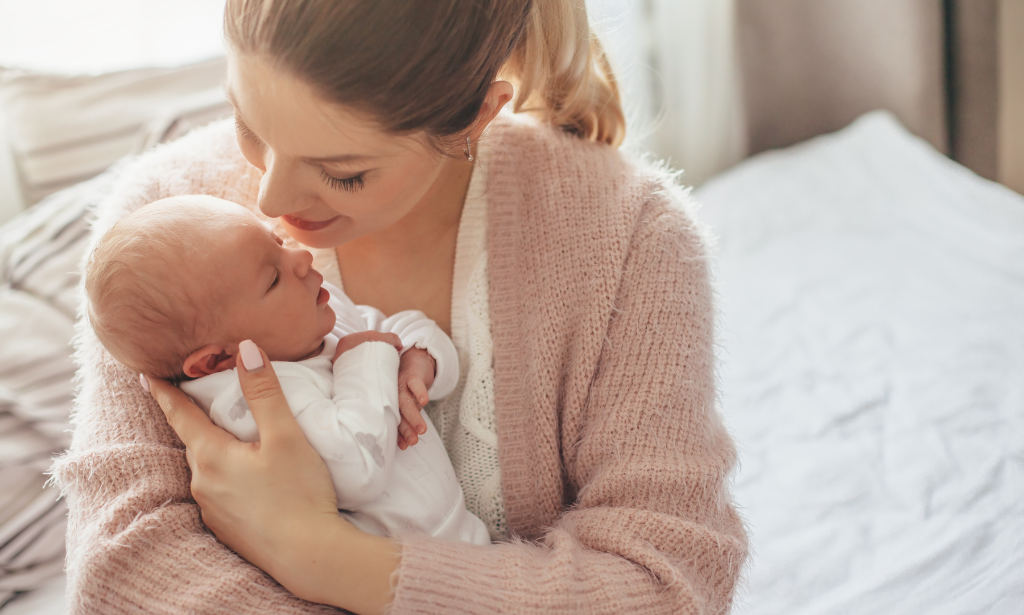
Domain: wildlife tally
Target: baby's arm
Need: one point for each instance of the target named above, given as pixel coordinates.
(355, 430)
(417, 331)
(430, 361)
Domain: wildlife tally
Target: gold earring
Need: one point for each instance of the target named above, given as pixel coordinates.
(467, 151)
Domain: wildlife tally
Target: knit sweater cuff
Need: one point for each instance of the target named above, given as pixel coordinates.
(439, 576)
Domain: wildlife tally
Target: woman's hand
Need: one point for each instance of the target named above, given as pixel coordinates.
(273, 501)
(415, 375)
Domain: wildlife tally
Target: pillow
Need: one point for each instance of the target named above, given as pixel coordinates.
(40, 253)
(63, 130)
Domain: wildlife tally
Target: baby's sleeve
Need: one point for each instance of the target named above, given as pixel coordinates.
(417, 331)
(355, 431)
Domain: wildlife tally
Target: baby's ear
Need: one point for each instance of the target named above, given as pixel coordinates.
(208, 360)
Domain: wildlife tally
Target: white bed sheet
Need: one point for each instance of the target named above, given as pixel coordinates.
(872, 347)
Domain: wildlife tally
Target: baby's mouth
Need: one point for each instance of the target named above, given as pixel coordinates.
(323, 296)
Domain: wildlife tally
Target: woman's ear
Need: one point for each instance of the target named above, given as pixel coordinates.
(498, 95)
(208, 360)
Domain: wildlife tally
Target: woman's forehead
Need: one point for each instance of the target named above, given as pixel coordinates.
(287, 114)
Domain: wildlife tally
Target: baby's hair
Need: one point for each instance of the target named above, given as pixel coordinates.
(141, 315)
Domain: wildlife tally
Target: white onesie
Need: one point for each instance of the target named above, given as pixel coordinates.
(351, 419)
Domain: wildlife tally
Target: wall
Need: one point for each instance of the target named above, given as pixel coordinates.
(1011, 94)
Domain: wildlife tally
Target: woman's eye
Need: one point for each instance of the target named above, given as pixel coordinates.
(348, 184)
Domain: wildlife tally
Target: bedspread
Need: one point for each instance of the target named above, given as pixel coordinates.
(873, 374)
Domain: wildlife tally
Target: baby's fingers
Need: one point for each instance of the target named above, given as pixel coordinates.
(419, 391)
(411, 414)
(410, 410)
(406, 436)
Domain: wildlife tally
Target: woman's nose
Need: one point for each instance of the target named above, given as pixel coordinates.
(277, 195)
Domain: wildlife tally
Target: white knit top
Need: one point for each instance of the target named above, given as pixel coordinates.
(465, 419)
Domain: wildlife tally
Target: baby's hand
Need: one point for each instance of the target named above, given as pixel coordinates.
(351, 341)
(415, 375)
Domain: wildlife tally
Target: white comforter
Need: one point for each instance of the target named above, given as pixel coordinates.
(872, 346)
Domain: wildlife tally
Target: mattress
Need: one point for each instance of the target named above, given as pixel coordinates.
(872, 373)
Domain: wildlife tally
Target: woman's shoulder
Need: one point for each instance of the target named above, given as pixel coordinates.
(579, 189)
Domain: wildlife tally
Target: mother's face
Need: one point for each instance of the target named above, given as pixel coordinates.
(330, 173)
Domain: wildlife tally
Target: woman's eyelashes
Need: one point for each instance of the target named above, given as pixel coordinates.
(348, 184)
(243, 130)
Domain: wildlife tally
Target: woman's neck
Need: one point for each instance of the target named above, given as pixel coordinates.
(409, 265)
(436, 214)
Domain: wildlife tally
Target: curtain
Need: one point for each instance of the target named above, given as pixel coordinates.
(677, 64)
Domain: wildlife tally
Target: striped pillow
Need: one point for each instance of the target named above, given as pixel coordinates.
(67, 129)
(40, 252)
(63, 130)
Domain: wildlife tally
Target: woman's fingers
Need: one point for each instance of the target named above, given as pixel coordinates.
(186, 419)
(263, 393)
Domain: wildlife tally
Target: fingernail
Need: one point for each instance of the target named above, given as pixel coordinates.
(422, 429)
(144, 382)
(252, 360)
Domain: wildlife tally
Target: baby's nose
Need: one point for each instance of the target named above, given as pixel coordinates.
(303, 262)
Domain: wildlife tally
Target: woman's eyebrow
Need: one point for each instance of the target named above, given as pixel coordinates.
(343, 158)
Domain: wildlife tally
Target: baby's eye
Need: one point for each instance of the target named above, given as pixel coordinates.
(274, 283)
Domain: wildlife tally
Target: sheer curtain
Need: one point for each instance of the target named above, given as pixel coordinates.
(674, 58)
(677, 65)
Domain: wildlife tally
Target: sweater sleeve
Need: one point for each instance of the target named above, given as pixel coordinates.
(648, 525)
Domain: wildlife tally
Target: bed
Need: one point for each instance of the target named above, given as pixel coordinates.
(871, 338)
(872, 373)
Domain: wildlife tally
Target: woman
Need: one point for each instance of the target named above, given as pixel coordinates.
(572, 279)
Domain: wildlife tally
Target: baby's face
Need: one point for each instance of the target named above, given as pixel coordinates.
(266, 292)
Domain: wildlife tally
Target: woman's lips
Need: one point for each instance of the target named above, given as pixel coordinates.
(323, 296)
(308, 225)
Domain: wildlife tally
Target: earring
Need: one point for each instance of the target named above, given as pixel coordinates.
(467, 151)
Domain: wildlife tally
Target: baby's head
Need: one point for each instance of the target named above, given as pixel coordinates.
(175, 286)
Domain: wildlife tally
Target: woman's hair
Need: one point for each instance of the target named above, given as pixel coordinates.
(427, 65)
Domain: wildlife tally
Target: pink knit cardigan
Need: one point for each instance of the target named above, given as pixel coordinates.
(614, 462)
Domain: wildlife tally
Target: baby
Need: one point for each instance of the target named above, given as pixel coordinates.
(175, 287)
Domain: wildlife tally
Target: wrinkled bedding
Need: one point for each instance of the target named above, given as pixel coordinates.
(872, 371)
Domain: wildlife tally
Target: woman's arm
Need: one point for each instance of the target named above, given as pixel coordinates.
(272, 501)
(649, 527)
(136, 539)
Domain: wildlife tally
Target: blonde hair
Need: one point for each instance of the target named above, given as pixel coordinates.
(427, 66)
(141, 315)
